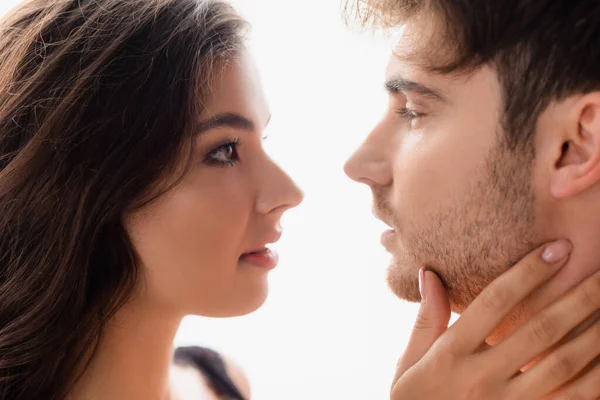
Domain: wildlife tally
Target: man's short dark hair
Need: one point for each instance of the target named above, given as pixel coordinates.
(542, 50)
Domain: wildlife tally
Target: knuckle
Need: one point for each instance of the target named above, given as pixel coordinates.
(543, 330)
(562, 368)
(440, 362)
(534, 272)
(494, 297)
(596, 329)
(448, 346)
(594, 382)
(422, 322)
(480, 387)
(534, 269)
(589, 388)
(590, 293)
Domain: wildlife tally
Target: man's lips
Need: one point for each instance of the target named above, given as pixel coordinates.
(388, 238)
(379, 215)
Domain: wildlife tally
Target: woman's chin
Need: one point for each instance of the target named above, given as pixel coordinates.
(250, 306)
(240, 306)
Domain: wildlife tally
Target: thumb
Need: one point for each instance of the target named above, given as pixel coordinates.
(432, 321)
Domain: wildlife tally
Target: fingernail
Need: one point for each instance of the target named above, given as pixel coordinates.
(421, 280)
(556, 251)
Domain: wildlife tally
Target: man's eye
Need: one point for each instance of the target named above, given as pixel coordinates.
(225, 155)
(408, 114)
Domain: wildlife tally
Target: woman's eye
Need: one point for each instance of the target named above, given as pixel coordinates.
(224, 155)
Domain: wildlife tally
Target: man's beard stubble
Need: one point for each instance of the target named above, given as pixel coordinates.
(474, 241)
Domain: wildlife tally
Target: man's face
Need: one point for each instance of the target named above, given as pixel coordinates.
(458, 201)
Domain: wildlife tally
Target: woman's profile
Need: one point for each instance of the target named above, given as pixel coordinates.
(134, 190)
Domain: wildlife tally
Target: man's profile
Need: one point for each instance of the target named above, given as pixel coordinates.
(490, 145)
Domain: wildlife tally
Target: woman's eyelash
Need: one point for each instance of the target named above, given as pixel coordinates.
(226, 154)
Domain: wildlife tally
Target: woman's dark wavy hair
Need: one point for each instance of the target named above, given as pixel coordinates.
(98, 103)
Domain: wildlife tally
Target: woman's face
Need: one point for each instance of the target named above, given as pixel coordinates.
(202, 245)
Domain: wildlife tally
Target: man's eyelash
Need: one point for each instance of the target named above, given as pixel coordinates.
(407, 113)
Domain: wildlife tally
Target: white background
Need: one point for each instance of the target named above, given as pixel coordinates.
(330, 328)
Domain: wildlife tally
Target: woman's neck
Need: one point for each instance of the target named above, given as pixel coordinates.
(133, 357)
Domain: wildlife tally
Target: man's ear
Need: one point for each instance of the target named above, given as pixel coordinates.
(578, 166)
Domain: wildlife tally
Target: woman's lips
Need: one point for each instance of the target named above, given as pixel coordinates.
(265, 258)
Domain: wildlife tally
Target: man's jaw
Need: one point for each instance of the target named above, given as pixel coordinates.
(403, 279)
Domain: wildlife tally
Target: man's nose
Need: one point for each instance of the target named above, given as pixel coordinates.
(370, 164)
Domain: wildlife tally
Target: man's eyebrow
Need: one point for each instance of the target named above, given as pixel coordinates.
(400, 85)
(226, 120)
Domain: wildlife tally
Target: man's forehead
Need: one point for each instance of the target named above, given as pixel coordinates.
(407, 76)
(418, 44)
(406, 68)
(407, 48)
(396, 65)
(414, 53)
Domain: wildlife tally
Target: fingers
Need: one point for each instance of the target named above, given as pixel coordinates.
(489, 308)
(560, 366)
(585, 388)
(432, 321)
(548, 327)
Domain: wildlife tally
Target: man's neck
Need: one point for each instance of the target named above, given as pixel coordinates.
(133, 357)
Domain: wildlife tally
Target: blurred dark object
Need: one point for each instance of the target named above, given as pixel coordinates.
(211, 365)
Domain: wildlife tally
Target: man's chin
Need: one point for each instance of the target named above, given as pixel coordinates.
(403, 280)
